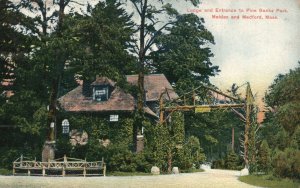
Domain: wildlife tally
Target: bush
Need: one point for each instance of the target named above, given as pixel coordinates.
(191, 154)
(218, 164)
(287, 163)
(231, 161)
(264, 159)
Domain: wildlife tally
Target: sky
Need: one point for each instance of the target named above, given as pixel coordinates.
(251, 50)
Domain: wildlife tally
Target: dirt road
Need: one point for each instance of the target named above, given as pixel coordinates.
(209, 179)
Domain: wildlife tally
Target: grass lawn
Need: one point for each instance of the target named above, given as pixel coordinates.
(148, 174)
(269, 181)
(117, 173)
(5, 171)
(192, 170)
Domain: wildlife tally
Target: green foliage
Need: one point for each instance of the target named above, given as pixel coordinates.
(214, 131)
(269, 181)
(190, 154)
(283, 91)
(10, 154)
(181, 54)
(281, 127)
(163, 139)
(194, 151)
(218, 164)
(253, 145)
(231, 161)
(102, 38)
(117, 154)
(287, 163)
(295, 143)
(264, 157)
(5, 171)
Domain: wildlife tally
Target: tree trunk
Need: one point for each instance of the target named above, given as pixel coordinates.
(247, 127)
(51, 122)
(141, 88)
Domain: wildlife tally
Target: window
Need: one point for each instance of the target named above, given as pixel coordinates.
(114, 118)
(100, 94)
(65, 126)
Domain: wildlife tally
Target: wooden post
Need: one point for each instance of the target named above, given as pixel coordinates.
(44, 171)
(103, 166)
(28, 173)
(63, 171)
(14, 170)
(84, 167)
(104, 170)
(65, 166)
(21, 160)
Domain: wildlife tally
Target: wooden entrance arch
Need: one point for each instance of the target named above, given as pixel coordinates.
(205, 99)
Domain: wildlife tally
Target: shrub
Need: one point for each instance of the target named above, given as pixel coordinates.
(264, 159)
(231, 161)
(191, 153)
(287, 163)
(218, 164)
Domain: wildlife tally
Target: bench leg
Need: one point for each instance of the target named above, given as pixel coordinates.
(104, 170)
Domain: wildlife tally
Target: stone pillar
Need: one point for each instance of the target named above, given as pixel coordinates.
(155, 170)
(139, 143)
(48, 152)
(175, 170)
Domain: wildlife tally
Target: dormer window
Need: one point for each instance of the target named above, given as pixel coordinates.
(100, 93)
(102, 88)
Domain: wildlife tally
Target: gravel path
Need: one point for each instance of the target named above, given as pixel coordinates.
(209, 179)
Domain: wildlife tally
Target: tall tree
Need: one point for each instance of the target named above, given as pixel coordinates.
(13, 46)
(281, 127)
(48, 21)
(148, 29)
(283, 97)
(183, 53)
(103, 36)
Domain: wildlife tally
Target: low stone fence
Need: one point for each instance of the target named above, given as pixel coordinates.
(62, 166)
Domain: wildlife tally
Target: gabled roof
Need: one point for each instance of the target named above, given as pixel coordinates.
(75, 101)
(154, 84)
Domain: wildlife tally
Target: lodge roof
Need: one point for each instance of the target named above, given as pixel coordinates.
(75, 101)
(154, 84)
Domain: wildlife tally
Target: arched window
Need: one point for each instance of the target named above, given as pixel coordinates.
(65, 126)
